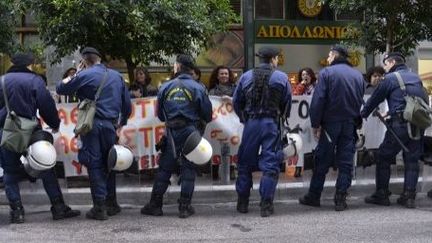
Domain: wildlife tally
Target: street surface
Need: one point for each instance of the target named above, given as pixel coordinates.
(220, 222)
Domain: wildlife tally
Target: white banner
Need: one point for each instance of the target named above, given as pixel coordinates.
(144, 129)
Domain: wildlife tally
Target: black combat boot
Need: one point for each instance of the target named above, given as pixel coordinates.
(267, 208)
(429, 194)
(407, 199)
(154, 207)
(298, 171)
(98, 211)
(242, 204)
(185, 208)
(340, 201)
(113, 207)
(379, 197)
(60, 210)
(310, 200)
(16, 213)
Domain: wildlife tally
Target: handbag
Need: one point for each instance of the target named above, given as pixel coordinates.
(87, 111)
(17, 130)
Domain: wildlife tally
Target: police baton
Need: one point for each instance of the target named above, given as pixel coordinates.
(390, 129)
(169, 136)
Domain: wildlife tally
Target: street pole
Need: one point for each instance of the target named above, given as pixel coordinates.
(248, 28)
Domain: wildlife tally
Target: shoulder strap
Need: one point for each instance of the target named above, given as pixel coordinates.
(101, 85)
(401, 82)
(5, 94)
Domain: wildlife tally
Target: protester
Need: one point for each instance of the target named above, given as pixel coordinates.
(262, 98)
(113, 103)
(335, 115)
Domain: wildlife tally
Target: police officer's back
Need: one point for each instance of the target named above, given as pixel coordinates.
(113, 108)
(182, 103)
(262, 97)
(27, 94)
(334, 114)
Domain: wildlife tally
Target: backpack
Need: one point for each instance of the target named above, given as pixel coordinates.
(417, 111)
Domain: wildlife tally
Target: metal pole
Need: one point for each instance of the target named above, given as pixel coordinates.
(248, 28)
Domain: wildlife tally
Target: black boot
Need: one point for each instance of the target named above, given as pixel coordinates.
(407, 199)
(98, 211)
(154, 207)
(340, 201)
(267, 208)
(60, 210)
(16, 213)
(380, 197)
(185, 208)
(429, 194)
(112, 206)
(310, 200)
(242, 204)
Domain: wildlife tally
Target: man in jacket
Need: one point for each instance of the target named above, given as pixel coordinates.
(389, 90)
(261, 99)
(335, 114)
(113, 102)
(27, 94)
(182, 103)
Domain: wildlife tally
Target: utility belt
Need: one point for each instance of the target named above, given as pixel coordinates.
(177, 123)
(259, 116)
(397, 117)
(112, 120)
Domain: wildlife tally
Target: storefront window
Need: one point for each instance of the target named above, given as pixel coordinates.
(269, 9)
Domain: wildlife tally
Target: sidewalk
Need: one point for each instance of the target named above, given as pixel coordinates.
(133, 190)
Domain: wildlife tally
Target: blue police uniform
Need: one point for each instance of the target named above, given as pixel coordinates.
(263, 95)
(389, 90)
(27, 94)
(335, 107)
(185, 103)
(113, 104)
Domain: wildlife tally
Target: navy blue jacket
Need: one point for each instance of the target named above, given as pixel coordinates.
(193, 104)
(338, 96)
(389, 89)
(27, 93)
(114, 98)
(277, 80)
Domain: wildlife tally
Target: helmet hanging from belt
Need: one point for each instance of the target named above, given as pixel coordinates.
(197, 149)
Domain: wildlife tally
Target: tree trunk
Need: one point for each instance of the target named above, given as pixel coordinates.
(390, 34)
(131, 68)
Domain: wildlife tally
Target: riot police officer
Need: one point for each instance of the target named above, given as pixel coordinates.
(261, 98)
(113, 102)
(389, 89)
(26, 94)
(334, 114)
(182, 103)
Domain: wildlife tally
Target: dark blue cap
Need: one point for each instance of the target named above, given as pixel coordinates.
(340, 49)
(393, 54)
(22, 59)
(267, 52)
(90, 50)
(185, 60)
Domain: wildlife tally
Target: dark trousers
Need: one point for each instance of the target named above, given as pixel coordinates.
(259, 133)
(336, 144)
(94, 153)
(168, 164)
(389, 148)
(14, 173)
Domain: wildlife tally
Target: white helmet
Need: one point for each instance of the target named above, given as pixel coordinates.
(120, 158)
(294, 144)
(197, 149)
(41, 156)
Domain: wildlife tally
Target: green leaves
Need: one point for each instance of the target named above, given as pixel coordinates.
(390, 24)
(137, 31)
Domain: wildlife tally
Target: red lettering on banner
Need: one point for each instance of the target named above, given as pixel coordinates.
(217, 159)
(144, 104)
(78, 167)
(235, 140)
(63, 141)
(155, 107)
(74, 115)
(74, 145)
(229, 107)
(147, 131)
(132, 111)
(63, 116)
(129, 134)
(159, 132)
(215, 133)
(149, 161)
